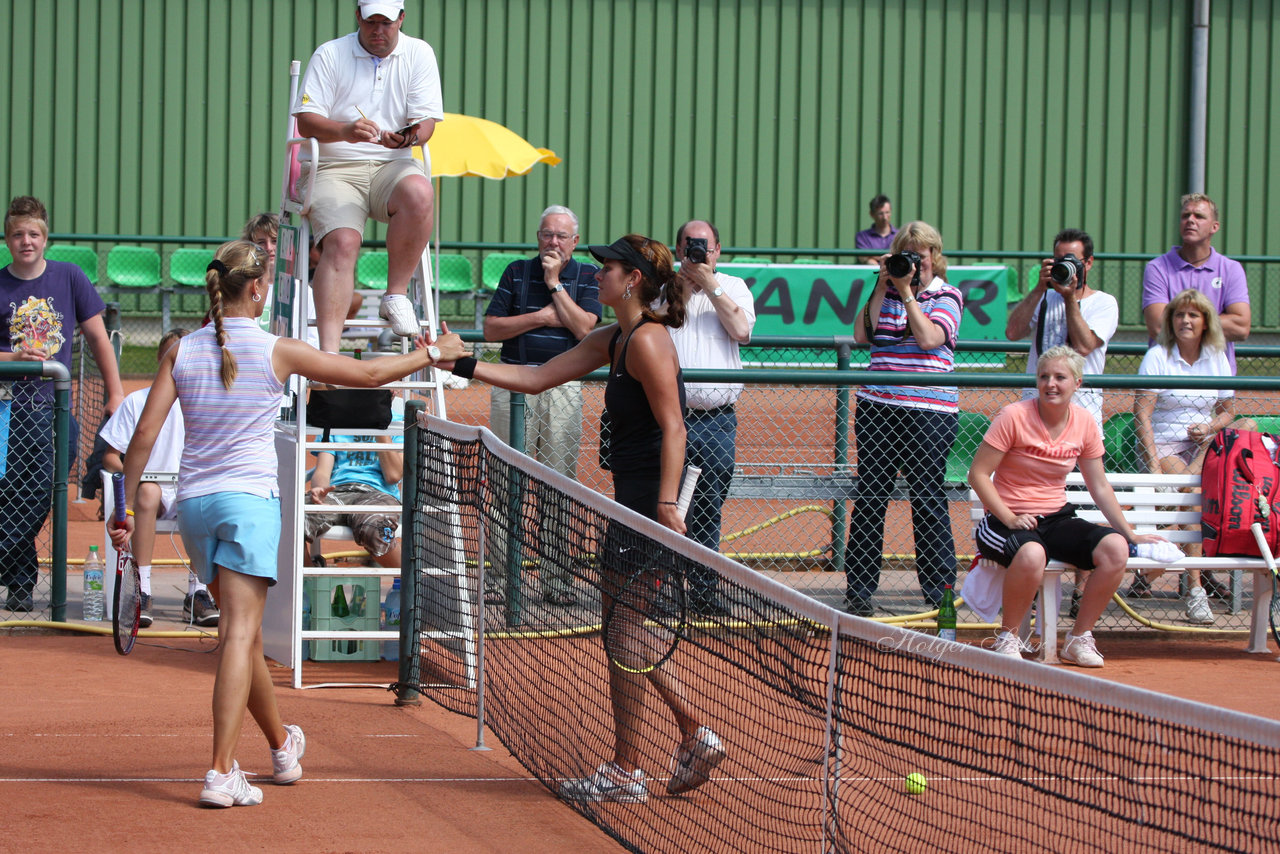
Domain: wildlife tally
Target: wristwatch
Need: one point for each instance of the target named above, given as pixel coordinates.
(555, 289)
(434, 352)
(717, 292)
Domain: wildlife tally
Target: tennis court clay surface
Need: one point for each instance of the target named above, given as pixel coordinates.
(104, 753)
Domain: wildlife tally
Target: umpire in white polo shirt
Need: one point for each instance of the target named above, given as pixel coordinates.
(720, 316)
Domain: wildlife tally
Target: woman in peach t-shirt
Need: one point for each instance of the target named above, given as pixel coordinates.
(1030, 448)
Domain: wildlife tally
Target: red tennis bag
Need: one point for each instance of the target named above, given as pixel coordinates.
(1239, 485)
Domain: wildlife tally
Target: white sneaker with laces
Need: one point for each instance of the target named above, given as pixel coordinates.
(229, 790)
(693, 764)
(608, 783)
(1198, 610)
(1081, 651)
(398, 309)
(1007, 643)
(285, 765)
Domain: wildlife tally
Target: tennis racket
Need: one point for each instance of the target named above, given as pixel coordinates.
(127, 604)
(1274, 616)
(642, 623)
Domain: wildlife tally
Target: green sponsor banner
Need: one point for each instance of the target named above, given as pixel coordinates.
(827, 299)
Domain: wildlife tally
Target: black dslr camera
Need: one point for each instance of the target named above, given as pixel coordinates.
(903, 263)
(1069, 266)
(695, 250)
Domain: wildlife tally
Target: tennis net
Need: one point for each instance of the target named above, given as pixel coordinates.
(823, 715)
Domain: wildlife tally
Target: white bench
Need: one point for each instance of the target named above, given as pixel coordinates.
(1146, 508)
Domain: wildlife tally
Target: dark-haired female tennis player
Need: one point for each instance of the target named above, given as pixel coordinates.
(644, 397)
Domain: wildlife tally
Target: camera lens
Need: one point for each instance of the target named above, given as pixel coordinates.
(1063, 271)
(900, 265)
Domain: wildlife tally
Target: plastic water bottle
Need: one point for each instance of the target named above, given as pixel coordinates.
(391, 621)
(947, 615)
(93, 598)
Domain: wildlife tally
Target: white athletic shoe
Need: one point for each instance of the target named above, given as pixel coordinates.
(1007, 643)
(608, 783)
(1198, 610)
(692, 765)
(285, 765)
(229, 790)
(398, 309)
(1081, 651)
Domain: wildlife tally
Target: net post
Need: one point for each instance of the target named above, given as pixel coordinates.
(481, 626)
(405, 694)
(839, 508)
(514, 552)
(61, 467)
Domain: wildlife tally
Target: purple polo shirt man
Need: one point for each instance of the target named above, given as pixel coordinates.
(881, 233)
(1197, 265)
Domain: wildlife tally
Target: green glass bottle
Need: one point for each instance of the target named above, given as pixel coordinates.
(947, 615)
(340, 608)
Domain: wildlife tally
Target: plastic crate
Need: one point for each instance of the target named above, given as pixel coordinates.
(363, 597)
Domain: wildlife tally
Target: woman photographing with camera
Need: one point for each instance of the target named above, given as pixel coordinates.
(911, 323)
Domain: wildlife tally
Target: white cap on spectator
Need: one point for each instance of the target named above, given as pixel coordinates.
(390, 9)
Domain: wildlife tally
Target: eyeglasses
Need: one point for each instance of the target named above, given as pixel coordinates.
(555, 235)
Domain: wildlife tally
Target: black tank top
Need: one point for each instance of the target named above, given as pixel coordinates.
(635, 444)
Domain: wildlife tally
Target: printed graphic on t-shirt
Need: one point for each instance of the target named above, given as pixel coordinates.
(36, 325)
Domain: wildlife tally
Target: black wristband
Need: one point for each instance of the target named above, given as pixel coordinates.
(674, 503)
(465, 367)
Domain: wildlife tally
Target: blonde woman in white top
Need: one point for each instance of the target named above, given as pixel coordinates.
(229, 377)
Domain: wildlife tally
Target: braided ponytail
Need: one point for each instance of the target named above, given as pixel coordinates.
(234, 266)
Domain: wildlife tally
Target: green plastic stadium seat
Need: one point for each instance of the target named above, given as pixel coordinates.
(1120, 444)
(1267, 423)
(810, 261)
(973, 426)
(82, 256)
(745, 260)
(371, 271)
(6, 257)
(494, 265)
(585, 259)
(456, 274)
(187, 267)
(133, 267)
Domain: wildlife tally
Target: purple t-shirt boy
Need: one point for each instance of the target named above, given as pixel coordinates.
(1219, 278)
(44, 312)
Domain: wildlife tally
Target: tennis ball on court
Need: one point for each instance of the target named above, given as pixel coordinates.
(916, 783)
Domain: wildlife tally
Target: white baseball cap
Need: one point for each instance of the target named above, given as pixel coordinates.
(390, 9)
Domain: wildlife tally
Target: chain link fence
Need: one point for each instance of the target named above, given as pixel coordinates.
(790, 511)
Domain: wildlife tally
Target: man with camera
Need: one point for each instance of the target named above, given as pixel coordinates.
(1063, 309)
(542, 307)
(881, 233)
(1197, 265)
(720, 314)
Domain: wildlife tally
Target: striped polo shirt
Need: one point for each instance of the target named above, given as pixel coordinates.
(229, 438)
(894, 348)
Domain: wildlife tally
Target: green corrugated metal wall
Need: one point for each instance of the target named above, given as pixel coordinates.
(997, 120)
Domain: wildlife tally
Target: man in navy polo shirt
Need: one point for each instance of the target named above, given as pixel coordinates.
(542, 307)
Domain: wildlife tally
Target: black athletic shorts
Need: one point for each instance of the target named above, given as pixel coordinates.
(1064, 535)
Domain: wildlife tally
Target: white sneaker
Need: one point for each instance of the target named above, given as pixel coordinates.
(1081, 651)
(285, 765)
(398, 309)
(1198, 610)
(1007, 643)
(693, 764)
(229, 790)
(608, 783)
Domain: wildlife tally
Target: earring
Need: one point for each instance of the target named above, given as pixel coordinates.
(627, 293)
(257, 297)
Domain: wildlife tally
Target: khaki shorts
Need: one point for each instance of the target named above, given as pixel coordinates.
(348, 192)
